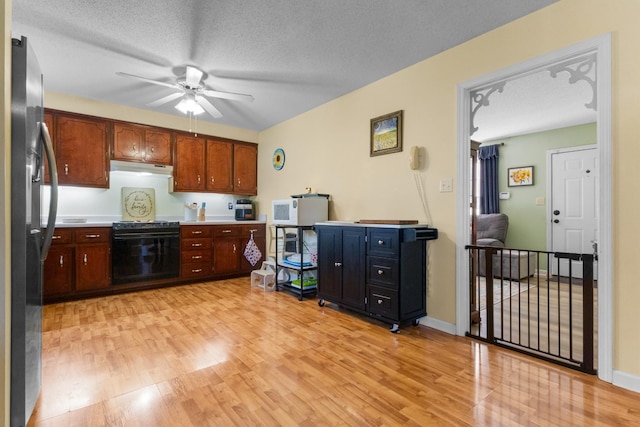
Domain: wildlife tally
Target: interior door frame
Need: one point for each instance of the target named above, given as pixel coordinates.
(600, 45)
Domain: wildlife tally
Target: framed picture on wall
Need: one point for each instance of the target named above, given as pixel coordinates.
(386, 134)
(520, 176)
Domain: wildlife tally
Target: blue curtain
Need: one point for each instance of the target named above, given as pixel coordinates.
(489, 193)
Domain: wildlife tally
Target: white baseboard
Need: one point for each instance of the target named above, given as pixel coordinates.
(434, 323)
(625, 380)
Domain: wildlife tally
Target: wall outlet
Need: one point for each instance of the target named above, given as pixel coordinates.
(230, 206)
(446, 185)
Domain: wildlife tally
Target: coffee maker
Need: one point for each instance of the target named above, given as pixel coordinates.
(244, 210)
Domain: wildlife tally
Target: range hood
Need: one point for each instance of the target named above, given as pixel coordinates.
(143, 168)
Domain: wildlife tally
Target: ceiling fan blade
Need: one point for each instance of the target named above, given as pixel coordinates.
(209, 108)
(165, 99)
(193, 76)
(227, 95)
(155, 82)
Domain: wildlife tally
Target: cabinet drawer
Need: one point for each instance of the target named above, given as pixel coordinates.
(226, 231)
(382, 302)
(201, 243)
(195, 256)
(195, 269)
(383, 242)
(189, 231)
(61, 236)
(258, 230)
(383, 271)
(92, 235)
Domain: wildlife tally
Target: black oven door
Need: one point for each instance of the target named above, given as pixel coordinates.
(144, 257)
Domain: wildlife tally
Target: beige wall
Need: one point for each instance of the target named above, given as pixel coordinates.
(328, 148)
(5, 211)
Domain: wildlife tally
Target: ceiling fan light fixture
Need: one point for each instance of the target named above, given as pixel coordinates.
(188, 104)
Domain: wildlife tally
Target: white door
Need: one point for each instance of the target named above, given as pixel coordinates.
(573, 210)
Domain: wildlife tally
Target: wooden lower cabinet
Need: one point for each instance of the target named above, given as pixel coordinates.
(195, 254)
(58, 271)
(79, 260)
(93, 266)
(210, 251)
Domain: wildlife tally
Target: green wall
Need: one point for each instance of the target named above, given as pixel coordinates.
(527, 221)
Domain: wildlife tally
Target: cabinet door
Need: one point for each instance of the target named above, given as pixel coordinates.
(329, 263)
(58, 271)
(93, 265)
(245, 169)
(157, 146)
(128, 142)
(226, 255)
(188, 170)
(219, 166)
(353, 267)
(81, 147)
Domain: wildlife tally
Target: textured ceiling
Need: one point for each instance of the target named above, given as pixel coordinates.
(290, 55)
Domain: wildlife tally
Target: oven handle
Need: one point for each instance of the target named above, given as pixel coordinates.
(154, 235)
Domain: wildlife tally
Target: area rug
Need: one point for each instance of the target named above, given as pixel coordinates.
(502, 290)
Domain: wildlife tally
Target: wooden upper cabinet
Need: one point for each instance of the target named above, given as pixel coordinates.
(189, 164)
(81, 145)
(245, 169)
(158, 146)
(219, 166)
(141, 144)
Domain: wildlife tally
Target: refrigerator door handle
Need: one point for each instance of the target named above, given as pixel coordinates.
(53, 202)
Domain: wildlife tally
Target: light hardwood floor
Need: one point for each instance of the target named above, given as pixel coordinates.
(223, 353)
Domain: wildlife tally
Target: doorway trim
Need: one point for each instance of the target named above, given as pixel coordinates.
(600, 45)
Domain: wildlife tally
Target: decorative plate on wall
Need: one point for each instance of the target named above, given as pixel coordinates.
(138, 204)
(278, 159)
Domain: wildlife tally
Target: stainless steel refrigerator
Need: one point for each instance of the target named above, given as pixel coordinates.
(29, 245)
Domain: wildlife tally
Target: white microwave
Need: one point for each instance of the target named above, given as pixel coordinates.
(300, 211)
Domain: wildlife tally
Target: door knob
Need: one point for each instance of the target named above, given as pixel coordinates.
(556, 221)
(556, 212)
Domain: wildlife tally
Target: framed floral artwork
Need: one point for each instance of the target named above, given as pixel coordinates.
(520, 176)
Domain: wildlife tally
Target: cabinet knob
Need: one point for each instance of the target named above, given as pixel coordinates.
(212, 180)
(196, 256)
(197, 232)
(196, 245)
(196, 270)
(234, 248)
(61, 260)
(134, 147)
(56, 237)
(84, 259)
(91, 236)
(380, 272)
(379, 301)
(198, 179)
(337, 264)
(66, 169)
(380, 242)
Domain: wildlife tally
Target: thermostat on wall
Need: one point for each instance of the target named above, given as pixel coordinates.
(505, 195)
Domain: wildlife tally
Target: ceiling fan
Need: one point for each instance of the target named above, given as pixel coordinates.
(192, 90)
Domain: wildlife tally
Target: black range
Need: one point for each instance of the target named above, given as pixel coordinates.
(145, 251)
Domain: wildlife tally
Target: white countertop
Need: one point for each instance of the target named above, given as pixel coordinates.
(107, 221)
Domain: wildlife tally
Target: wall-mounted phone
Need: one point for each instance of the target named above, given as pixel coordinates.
(414, 158)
